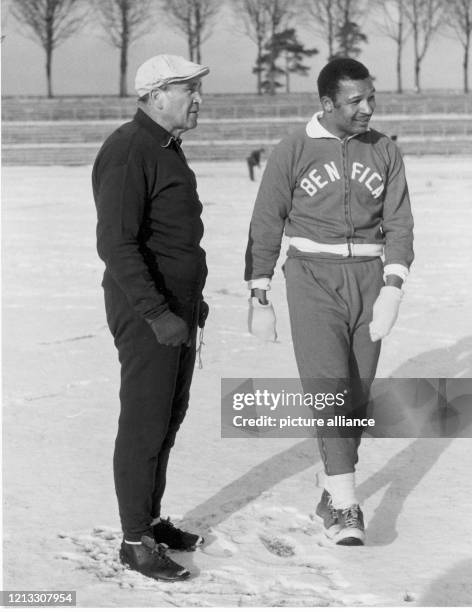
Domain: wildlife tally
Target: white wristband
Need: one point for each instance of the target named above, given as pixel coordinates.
(259, 283)
(397, 269)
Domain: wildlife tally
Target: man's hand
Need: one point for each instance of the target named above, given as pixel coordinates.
(203, 313)
(385, 312)
(170, 329)
(261, 320)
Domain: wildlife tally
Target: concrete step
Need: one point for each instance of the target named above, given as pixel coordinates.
(227, 129)
(217, 106)
(199, 150)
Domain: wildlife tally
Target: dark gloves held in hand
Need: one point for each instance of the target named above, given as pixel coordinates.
(170, 329)
(203, 314)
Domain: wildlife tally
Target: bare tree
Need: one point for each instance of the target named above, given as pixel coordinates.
(124, 21)
(194, 18)
(5, 11)
(392, 24)
(294, 52)
(279, 14)
(253, 15)
(337, 22)
(349, 34)
(459, 19)
(324, 16)
(49, 22)
(425, 17)
(285, 47)
(263, 20)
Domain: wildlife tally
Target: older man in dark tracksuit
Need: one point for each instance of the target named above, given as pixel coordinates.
(148, 234)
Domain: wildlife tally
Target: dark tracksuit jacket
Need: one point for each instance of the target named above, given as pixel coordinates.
(350, 193)
(148, 234)
(149, 226)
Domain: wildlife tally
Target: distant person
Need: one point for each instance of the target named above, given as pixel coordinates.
(148, 234)
(254, 160)
(394, 138)
(338, 190)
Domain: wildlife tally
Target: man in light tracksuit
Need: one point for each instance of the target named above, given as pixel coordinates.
(338, 190)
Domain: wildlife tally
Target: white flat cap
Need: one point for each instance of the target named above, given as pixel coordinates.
(163, 69)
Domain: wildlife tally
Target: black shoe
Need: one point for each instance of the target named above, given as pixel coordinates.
(166, 533)
(150, 559)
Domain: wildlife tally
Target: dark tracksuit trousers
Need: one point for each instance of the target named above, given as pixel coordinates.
(154, 394)
(330, 302)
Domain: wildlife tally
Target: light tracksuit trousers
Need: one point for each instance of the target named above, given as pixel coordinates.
(330, 300)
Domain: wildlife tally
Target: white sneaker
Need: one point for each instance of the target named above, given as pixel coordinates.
(351, 527)
(326, 513)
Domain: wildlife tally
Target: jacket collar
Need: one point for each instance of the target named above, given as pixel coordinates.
(157, 131)
(314, 129)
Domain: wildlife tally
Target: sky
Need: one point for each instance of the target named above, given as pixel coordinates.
(87, 64)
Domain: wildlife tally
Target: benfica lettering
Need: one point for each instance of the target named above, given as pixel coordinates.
(317, 179)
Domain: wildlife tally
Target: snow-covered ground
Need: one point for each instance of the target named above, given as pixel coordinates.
(252, 498)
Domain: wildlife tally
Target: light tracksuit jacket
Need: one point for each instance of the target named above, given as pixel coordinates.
(334, 192)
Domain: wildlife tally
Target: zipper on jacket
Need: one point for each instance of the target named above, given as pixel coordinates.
(347, 203)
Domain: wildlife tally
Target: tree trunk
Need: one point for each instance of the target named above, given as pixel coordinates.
(124, 52)
(198, 45)
(49, 49)
(48, 70)
(198, 34)
(399, 49)
(417, 59)
(190, 33)
(287, 75)
(465, 63)
(330, 34)
(347, 19)
(417, 75)
(272, 78)
(258, 65)
(330, 49)
(190, 47)
(124, 68)
(399, 66)
(271, 59)
(272, 66)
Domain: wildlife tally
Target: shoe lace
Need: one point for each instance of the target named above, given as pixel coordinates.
(160, 550)
(331, 508)
(170, 525)
(351, 516)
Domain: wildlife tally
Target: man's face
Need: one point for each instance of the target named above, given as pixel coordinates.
(352, 109)
(181, 102)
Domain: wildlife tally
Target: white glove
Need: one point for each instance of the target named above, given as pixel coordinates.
(261, 320)
(385, 312)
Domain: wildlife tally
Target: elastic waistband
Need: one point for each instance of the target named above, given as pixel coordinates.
(347, 249)
(331, 258)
